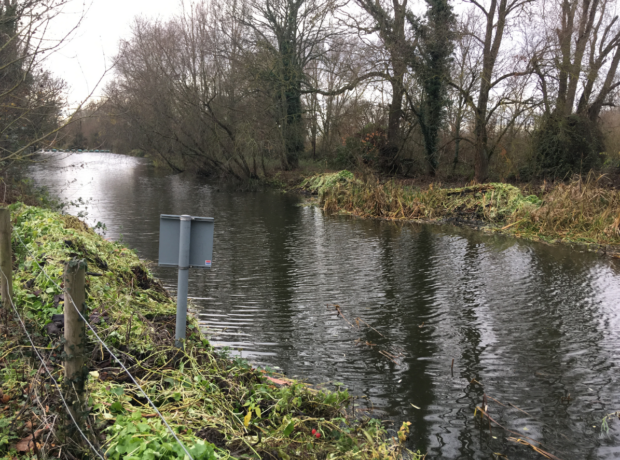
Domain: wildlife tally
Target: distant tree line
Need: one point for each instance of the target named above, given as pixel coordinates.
(482, 89)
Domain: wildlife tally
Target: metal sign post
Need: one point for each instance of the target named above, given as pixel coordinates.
(184, 242)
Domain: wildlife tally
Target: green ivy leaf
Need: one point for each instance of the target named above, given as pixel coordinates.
(289, 429)
(118, 391)
(117, 407)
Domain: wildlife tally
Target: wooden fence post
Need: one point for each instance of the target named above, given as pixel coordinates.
(75, 339)
(6, 259)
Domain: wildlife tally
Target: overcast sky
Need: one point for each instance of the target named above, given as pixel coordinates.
(83, 59)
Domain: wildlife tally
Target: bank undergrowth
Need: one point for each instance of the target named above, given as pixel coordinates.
(580, 211)
(220, 407)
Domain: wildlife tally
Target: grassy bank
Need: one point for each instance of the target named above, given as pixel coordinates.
(218, 406)
(581, 211)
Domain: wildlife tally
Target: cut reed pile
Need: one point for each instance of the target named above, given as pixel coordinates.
(220, 407)
(493, 202)
(581, 211)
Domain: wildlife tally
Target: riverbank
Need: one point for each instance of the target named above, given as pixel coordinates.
(581, 212)
(219, 407)
(14, 187)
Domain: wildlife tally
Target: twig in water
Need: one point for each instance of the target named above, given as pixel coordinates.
(540, 451)
(390, 355)
(367, 343)
(360, 319)
(536, 449)
(503, 405)
(510, 225)
(387, 355)
(339, 312)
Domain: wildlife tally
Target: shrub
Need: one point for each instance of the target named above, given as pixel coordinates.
(364, 147)
(564, 146)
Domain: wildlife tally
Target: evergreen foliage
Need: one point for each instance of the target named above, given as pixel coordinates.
(564, 146)
(431, 63)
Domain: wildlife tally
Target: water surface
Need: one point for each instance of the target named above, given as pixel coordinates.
(533, 326)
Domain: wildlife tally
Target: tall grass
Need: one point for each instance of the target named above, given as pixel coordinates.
(581, 211)
(372, 198)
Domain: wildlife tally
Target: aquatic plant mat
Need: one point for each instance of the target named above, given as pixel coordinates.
(581, 211)
(217, 406)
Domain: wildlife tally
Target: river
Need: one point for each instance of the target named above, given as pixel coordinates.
(434, 316)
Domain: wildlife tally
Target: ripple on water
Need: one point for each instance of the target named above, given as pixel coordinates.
(526, 324)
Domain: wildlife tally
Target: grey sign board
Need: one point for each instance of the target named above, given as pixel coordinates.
(201, 241)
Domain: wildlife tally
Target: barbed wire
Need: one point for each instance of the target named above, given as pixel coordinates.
(107, 348)
(34, 348)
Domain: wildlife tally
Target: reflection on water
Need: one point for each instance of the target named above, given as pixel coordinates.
(526, 324)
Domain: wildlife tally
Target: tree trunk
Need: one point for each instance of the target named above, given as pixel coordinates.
(457, 142)
(392, 33)
(595, 108)
(294, 136)
(490, 53)
(481, 166)
(390, 151)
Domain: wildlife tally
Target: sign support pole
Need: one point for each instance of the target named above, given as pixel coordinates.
(184, 242)
(183, 280)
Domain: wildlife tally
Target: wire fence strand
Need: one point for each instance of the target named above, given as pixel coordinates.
(108, 350)
(34, 348)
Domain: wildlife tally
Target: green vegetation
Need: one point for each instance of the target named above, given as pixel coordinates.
(581, 211)
(431, 66)
(566, 145)
(219, 407)
(371, 198)
(324, 182)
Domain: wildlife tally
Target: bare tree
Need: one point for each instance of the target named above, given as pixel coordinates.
(295, 33)
(500, 74)
(335, 114)
(580, 50)
(31, 99)
(179, 83)
(576, 52)
(387, 21)
(465, 79)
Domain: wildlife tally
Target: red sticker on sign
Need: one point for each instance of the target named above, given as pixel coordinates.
(207, 263)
